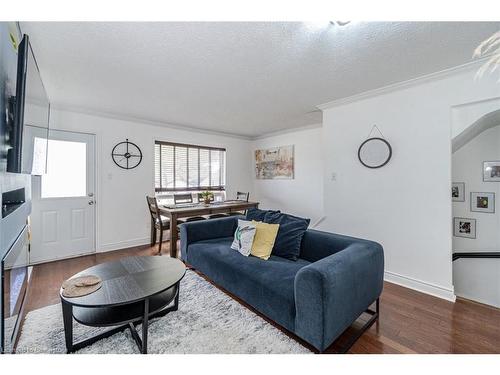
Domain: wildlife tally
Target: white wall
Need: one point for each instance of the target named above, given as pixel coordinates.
(405, 205)
(122, 216)
(478, 280)
(302, 196)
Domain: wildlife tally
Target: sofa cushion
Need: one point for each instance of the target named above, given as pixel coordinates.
(290, 233)
(257, 214)
(244, 237)
(263, 242)
(268, 286)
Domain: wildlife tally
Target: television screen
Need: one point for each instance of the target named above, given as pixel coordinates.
(26, 133)
(8, 80)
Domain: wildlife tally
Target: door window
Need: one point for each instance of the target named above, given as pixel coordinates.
(66, 170)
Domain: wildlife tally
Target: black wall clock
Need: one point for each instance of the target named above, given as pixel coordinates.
(126, 155)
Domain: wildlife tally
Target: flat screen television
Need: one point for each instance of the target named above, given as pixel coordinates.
(27, 125)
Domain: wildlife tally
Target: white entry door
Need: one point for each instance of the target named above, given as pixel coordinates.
(63, 216)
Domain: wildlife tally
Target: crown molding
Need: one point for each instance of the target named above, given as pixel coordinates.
(286, 131)
(115, 116)
(404, 84)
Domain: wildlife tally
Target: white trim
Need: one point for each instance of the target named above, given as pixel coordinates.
(128, 118)
(485, 100)
(421, 286)
(286, 131)
(403, 84)
(120, 245)
(42, 261)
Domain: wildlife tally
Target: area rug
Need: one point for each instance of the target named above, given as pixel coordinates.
(208, 321)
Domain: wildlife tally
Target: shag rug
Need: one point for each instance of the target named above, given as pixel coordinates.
(208, 321)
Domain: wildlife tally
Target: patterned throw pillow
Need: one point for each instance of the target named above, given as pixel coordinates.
(243, 237)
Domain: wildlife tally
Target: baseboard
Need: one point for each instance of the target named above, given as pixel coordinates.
(123, 244)
(420, 286)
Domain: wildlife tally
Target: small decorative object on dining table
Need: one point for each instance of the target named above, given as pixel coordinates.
(207, 197)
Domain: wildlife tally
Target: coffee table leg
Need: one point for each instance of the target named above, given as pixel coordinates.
(67, 311)
(145, 323)
(176, 301)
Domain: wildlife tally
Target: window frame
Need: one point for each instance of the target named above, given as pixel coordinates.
(187, 188)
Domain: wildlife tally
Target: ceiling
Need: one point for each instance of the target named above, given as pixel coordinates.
(242, 78)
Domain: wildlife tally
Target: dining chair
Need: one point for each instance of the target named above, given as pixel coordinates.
(158, 222)
(186, 198)
(240, 196)
(213, 216)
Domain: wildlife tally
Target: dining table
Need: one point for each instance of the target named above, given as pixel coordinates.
(179, 211)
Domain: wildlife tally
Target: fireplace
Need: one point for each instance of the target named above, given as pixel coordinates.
(14, 273)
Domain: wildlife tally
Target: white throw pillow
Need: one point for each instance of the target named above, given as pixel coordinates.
(243, 237)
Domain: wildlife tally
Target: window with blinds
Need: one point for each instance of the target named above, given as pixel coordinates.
(180, 167)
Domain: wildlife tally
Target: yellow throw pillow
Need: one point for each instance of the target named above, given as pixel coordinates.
(263, 242)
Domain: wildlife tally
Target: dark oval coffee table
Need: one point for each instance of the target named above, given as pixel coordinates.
(134, 290)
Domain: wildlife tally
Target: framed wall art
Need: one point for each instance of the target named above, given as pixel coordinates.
(482, 202)
(458, 191)
(463, 227)
(491, 171)
(275, 163)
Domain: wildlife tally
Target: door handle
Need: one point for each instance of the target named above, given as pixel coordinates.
(91, 202)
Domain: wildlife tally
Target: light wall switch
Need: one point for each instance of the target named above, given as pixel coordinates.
(334, 176)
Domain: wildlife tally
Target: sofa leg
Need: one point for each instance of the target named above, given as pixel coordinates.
(373, 318)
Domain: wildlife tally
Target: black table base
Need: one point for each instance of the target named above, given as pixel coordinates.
(125, 316)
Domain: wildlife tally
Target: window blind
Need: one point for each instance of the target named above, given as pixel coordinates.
(183, 167)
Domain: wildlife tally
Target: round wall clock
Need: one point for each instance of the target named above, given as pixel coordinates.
(374, 152)
(126, 155)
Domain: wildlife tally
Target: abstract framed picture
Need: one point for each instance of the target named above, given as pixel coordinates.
(482, 202)
(458, 192)
(491, 171)
(275, 163)
(463, 227)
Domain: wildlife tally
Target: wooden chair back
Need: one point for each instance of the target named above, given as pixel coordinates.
(153, 208)
(242, 196)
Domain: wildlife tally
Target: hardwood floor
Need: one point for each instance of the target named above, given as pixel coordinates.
(410, 322)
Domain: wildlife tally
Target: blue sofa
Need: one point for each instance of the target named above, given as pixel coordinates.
(317, 297)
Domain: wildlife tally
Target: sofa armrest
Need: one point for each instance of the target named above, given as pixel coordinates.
(331, 293)
(206, 230)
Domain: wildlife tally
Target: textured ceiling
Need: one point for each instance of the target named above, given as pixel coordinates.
(241, 78)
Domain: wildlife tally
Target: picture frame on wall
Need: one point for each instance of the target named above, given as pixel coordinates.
(464, 227)
(458, 191)
(491, 171)
(275, 163)
(482, 202)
